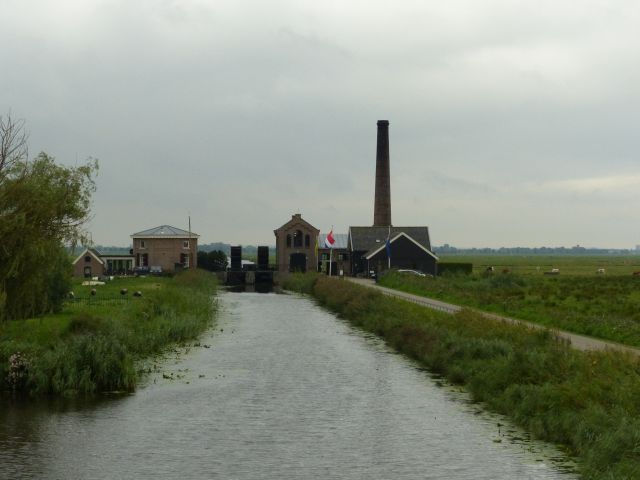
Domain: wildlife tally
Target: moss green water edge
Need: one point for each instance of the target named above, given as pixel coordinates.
(584, 401)
(93, 349)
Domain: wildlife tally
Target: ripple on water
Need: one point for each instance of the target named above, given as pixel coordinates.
(286, 390)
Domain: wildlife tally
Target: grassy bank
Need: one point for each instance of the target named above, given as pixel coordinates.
(605, 306)
(587, 402)
(92, 346)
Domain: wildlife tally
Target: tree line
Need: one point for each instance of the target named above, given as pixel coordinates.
(43, 207)
(214, 261)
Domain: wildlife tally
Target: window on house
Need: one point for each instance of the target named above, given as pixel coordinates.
(184, 260)
(145, 259)
(288, 240)
(87, 259)
(307, 241)
(185, 244)
(297, 238)
(142, 244)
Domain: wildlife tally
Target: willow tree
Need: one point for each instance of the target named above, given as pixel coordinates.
(43, 206)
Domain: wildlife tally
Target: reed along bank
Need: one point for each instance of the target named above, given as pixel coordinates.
(589, 402)
(94, 346)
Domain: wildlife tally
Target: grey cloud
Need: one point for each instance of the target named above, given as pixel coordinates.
(244, 112)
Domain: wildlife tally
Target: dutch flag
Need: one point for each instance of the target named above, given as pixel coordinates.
(329, 241)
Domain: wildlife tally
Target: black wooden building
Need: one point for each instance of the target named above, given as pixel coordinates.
(409, 248)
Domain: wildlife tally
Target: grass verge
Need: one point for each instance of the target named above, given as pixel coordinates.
(585, 401)
(93, 348)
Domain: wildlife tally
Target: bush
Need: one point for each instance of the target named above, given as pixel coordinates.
(299, 282)
(452, 268)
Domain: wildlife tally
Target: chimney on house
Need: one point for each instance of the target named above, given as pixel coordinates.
(382, 204)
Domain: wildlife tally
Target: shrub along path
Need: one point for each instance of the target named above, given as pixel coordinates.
(580, 342)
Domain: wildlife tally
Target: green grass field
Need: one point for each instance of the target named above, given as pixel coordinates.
(107, 301)
(93, 344)
(605, 305)
(584, 265)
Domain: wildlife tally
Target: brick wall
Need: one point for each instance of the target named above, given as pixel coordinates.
(165, 252)
(96, 267)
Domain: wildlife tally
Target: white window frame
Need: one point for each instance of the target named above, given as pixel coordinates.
(185, 244)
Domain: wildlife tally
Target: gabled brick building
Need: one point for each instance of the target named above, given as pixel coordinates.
(88, 264)
(296, 245)
(92, 263)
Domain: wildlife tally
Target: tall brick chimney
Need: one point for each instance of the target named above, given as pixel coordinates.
(382, 205)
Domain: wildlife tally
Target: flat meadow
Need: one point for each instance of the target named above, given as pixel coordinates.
(577, 299)
(581, 265)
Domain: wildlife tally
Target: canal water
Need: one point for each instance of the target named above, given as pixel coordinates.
(280, 389)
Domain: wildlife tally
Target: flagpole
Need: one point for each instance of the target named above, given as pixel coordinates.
(389, 249)
(330, 254)
(330, 259)
(189, 257)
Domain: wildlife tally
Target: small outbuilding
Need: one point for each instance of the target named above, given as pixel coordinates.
(338, 255)
(92, 263)
(88, 264)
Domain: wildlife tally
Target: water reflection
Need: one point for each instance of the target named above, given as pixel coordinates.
(280, 389)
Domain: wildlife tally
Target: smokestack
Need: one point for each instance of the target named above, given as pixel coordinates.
(382, 205)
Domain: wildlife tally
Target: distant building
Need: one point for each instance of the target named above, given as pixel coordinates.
(167, 247)
(363, 249)
(296, 245)
(409, 248)
(92, 263)
(340, 256)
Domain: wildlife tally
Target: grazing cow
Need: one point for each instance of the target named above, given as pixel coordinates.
(506, 270)
(636, 274)
(489, 269)
(600, 271)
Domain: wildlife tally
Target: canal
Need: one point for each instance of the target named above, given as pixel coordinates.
(280, 389)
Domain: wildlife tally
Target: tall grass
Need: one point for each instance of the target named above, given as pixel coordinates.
(95, 350)
(587, 402)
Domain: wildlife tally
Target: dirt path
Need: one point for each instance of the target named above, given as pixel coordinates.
(581, 342)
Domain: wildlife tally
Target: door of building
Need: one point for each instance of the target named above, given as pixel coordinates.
(298, 262)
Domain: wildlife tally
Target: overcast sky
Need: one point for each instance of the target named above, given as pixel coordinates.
(512, 123)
